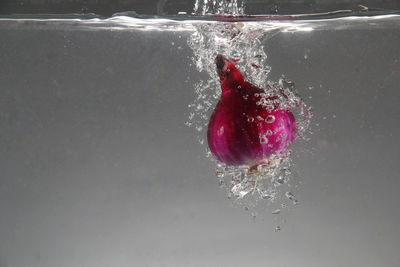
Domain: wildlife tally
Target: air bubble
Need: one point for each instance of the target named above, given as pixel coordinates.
(277, 211)
(236, 55)
(265, 196)
(280, 180)
(263, 140)
(270, 119)
(220, 174)
(262, 168)
(289, 195)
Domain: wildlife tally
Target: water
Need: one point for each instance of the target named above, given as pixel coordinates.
(203, 7)
(99, 168)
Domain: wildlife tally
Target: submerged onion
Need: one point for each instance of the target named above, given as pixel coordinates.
(241, 130)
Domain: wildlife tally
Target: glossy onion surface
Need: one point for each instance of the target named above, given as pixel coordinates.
(241, 130)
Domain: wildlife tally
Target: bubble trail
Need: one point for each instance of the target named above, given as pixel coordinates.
(243, 43)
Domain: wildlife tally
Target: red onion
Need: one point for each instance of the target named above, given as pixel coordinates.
(241, 130)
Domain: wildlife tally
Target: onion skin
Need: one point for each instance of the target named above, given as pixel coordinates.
(240, 132)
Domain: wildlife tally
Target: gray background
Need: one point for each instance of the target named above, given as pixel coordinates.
(98, 168)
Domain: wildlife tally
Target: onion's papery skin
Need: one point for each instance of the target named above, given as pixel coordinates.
(240, 130)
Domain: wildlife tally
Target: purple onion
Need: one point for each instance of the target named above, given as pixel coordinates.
(241, 131)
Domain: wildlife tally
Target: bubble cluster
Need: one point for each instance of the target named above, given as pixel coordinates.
(220, 7)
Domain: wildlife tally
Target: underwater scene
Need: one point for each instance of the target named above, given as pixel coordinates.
(214, 137)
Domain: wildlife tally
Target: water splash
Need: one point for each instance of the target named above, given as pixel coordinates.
(244, 43)
(220, 7)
